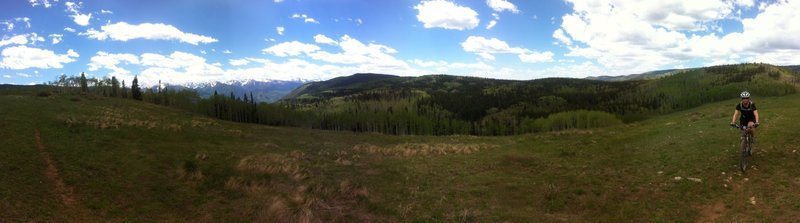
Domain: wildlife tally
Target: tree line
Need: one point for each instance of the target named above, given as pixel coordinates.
(445, 105)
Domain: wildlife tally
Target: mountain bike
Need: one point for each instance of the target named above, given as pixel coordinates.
(746, 145)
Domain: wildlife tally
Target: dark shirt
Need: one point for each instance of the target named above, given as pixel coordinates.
(747, 112)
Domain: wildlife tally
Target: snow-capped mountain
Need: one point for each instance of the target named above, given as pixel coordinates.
(263, 91)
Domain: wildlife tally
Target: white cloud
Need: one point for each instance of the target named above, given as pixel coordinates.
(502, 5)
(446, 15)
(560, 36)
(238, 62)
(322, 39)
(486, 48)
(656, 35)
(491, 24)
(278, 1)
(293, 48)
(444, 67)
(103, 11)
(69, 29)
(178, 67)
(356, 52)
(745, 3)
(122, 31)
(10, 23)
(227, 51)
(77, 16)
(18, 40)
(23, 75)
(45, 3)
(494, 21)
(305, 18)
(7, 76)
(56, 38)
(34, 38)
(280, 30)
(104, 60)
(536, 57)
(23, 57)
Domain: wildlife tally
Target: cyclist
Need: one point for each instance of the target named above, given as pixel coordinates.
(749, 114)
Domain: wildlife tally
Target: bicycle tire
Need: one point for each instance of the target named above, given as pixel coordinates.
(743, 157)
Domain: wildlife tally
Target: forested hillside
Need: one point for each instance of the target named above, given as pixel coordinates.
(445, 105)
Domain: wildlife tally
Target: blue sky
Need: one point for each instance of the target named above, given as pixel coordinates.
(191, 41)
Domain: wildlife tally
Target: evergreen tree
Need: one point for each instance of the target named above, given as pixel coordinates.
(124, 90)
(84, 83)
(114, 87)
(136, 93)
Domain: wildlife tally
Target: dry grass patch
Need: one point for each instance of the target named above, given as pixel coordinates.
(114, 118)
(420, 149)
(280, 188)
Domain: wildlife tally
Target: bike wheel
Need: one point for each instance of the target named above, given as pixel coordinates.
(743, 157)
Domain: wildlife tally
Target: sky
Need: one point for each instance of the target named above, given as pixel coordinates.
(198, 41)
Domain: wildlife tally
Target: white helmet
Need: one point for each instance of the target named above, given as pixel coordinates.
(745, 94)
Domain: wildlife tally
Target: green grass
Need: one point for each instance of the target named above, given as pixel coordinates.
(133, 162)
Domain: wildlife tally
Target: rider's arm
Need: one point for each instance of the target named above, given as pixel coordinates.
(736, 114)
(756, 113)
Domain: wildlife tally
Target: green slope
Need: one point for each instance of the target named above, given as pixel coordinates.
(443, 104)
(123, 160)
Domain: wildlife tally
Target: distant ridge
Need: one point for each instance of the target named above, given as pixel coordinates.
(642, 76)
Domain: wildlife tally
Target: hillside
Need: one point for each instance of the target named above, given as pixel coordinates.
(447, 104)
(70, 158)
(642, 76)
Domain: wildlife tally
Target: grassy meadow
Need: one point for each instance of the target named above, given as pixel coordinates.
(114, 160)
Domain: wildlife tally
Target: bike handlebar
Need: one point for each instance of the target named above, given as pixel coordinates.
(743, 126)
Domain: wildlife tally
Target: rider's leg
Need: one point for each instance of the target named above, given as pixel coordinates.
(751, 127)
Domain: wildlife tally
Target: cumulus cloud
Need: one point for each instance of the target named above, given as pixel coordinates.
(18, 40)
(486, 48)
(178, 67)
(354, 51)
(123, 31)
(10, 23)
(322, 39)
(103, 11)
(293, 48)
(23, 57)
(56, 38)
(656, 35)
(238, 62)
(77, 16)
(502, 5)
(305, 18)
(45, 3)
(280, 30)
(447, 15)
(104, 60)
(68, 29)
(560, 36)
(494, 21)
(536, 57)
(440, 66)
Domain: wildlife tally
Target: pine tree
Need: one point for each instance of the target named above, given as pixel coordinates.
(114, 87)
(84, 83)
(124, 90)
(136, 93)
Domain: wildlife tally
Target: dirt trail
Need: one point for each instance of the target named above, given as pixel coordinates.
(73, 207)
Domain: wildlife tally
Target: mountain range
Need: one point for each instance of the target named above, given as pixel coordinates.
(262, 91)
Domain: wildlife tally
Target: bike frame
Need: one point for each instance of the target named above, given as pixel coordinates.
(746, 146)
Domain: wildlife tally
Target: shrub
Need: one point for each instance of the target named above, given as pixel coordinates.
(44, 94)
